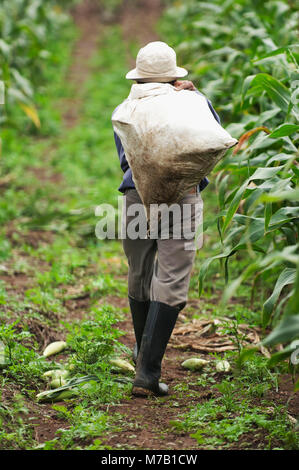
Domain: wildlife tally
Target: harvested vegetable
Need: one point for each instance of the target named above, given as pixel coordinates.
(51, 396)
(69, 390)
(2, 358)
(194, 363)
(122, 365)
(223, 366)
(56, 374)
(54, 348)
(59, 382)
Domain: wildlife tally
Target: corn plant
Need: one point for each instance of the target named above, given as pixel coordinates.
(26, 26)
(244, 56)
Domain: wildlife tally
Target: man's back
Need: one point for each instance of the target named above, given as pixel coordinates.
(127, 182)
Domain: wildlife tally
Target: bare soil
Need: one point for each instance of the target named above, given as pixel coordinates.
(147, 422)
(87, 16)
(138, 21)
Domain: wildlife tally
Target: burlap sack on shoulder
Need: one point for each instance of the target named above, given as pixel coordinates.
(171, 140)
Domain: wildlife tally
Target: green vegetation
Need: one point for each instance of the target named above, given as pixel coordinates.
(240, 411)
(244, 56)
(59, 282)
(27, 29)
(63, 264)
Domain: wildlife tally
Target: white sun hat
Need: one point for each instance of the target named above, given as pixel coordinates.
(156, 61)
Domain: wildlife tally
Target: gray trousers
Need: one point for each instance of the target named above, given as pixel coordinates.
(160, 269)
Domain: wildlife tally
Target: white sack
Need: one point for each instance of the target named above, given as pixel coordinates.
(170, 138)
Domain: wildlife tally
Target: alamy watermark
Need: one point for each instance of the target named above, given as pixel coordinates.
(175, 221)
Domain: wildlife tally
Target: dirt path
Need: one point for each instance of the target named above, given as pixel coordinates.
(138, 20)
(138, 24)
(87, 16)
(148, 419)
(147, 425)
(147, 422)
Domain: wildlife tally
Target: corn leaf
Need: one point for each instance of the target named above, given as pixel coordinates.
(31, 113)
(284, 130)
(205, 266)
(286, 331)
(275, 89)
(290, 195)
(267, 214)
(278, 51)
(283, 215)
(234, 205)
(281, 355)
(292, 307)
(286, 277)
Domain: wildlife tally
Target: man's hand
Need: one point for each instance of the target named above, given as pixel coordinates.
(184, 85)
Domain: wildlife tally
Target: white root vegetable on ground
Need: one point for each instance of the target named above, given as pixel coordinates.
(59, 382)
(54, 348)
(56, 374)
(223, 366)
(194, 363)
(122, 365)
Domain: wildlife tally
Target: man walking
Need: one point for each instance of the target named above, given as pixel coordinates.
(159, 268)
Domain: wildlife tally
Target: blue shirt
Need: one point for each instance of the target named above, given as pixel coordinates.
(127, 182)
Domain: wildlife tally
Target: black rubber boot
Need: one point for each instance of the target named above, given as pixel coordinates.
(139, 311)
(160, 322)
(135, 353)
